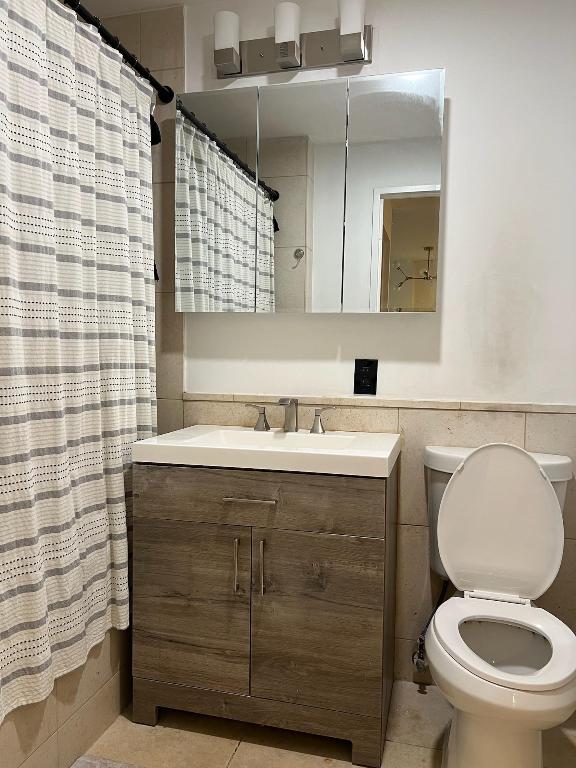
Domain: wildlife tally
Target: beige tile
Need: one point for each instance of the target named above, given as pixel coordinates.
(164, 154)
(162, 38)
(403, 652)
(46, 756)
(221, 413)
(289, 281)
(554, 433)
(79, 732)
(341, 419)
(403, 667)
(524, 407)
(361, 419)
(310, 214)
(258, 756)
(362, 401)
(438, 405)
(104, 661)
(290, 210)
(173, 743)
(174, 78)
(419, 715)
(407, 756)
(164, 236)
(434, 427)
(559, 745)
(273, 738)
(208, 396)
(25, 729)
(170, 416)
(560, 598)
(127, 30)
(284, 156)
(169, 348)
(417, 588)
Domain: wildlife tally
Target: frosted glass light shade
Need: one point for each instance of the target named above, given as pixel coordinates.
(226, 30)
(352, 13)
(287, 22)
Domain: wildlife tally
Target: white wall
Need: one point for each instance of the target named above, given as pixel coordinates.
(507, 294)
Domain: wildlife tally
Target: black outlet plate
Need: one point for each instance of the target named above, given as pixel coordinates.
(365, 377)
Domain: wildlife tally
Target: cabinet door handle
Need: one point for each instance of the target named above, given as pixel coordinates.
(236, 548)
(235, 500)
(262, 588)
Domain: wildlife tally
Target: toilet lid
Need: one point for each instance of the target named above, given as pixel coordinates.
(500, 528)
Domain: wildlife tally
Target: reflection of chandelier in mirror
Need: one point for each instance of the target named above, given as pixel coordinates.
(425, 274)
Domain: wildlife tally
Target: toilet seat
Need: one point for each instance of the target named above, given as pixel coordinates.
(559, 670)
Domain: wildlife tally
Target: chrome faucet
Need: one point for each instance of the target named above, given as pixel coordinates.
(262, 422)
(290, 413)
(318, 426)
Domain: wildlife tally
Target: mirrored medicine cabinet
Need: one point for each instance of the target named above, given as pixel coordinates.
(317, 196)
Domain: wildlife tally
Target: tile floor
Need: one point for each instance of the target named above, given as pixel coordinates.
(418, 720)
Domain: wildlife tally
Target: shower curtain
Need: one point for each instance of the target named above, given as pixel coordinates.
(76, 337)
(216, 230)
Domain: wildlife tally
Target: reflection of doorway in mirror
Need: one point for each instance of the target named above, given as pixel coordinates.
(405, 256)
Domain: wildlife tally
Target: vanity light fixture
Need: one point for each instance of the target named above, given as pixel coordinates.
(352, 41)
(227, 43)
(290, 48)
(287, 34)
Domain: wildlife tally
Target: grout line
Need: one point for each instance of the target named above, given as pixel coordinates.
(525, 425)
(232, 756)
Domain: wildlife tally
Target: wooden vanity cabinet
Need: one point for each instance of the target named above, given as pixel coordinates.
(266, 597)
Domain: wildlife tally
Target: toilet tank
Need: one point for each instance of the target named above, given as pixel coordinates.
(441, 462)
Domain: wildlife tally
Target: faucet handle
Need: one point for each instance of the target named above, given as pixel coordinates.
(318, 427)
(262, 423)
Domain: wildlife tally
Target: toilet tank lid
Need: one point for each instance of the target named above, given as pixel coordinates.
(448, 458)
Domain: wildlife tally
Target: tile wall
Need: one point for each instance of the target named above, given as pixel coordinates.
(287, 165)
(544, 429)
(53, 733)
(157, 39)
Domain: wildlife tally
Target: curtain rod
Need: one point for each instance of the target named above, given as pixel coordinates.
(165, 93)
(271, 193)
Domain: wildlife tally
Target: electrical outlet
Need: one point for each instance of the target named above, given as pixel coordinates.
(365, 377)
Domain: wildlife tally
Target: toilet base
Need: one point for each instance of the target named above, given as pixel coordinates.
(479, 742)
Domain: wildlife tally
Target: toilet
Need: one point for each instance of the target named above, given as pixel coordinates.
(507, 667)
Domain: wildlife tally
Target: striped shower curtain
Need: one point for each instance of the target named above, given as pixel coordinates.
(217, 269)
(76, 337)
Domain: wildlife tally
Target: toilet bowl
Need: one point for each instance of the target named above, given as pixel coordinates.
(507, 667)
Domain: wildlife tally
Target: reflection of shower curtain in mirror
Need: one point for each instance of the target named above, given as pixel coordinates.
(216, 230)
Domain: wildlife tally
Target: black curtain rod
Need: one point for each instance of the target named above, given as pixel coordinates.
(165, 93)
(271, 193)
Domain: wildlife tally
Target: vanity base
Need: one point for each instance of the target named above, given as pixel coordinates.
(364, 732)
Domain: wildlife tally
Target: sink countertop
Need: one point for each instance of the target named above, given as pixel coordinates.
(363, 454)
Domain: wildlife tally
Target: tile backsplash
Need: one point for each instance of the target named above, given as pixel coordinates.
(539, 428)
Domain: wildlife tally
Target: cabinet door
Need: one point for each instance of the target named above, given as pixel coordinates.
(317, 619)
(192, 604)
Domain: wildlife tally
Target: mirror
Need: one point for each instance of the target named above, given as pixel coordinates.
(393, 186)
(260, 202)
(215, 219)
(303, 156)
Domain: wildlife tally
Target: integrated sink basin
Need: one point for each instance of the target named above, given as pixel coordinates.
(366, 454)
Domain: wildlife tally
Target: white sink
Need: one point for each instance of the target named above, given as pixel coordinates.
(366, 454)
